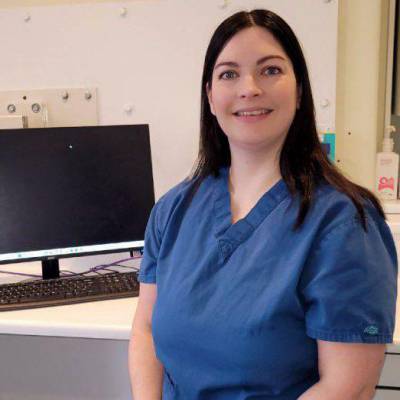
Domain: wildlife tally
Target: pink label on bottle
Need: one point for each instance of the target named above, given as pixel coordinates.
(385, 183)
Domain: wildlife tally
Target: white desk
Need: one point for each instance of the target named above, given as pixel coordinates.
(72, 352)
(111, 319)
(69, 352)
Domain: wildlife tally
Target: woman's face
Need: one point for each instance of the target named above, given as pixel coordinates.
(254, 92)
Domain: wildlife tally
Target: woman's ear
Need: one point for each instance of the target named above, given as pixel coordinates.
(299, 94)
(209, 96)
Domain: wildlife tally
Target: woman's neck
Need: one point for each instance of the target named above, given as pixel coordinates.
(252, 175)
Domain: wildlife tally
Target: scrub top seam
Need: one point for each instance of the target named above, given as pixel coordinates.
(348, 336)
(335, 229)
(146, 277)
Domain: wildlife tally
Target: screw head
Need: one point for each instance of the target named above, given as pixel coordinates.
(88, 95)
(65, 95)
(128, 108)
(325, 103)
(11, 108)
(36, 107)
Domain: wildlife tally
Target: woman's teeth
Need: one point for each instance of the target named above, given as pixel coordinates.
(257, 112)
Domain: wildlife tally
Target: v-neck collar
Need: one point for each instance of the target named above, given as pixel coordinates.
(231, 235)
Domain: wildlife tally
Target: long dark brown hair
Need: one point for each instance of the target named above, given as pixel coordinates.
(303, 161)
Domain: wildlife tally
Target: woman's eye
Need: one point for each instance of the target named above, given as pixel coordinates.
(272, 71)
(228, 75)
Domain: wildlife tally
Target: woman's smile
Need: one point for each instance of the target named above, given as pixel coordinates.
(253, 116)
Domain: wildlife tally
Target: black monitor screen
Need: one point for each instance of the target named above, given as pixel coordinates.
(73, 191)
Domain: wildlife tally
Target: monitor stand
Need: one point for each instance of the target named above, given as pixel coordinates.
(50, 269)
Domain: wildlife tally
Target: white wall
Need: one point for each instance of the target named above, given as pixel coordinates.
(152, 59)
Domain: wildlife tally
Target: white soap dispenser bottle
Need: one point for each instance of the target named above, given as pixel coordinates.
(387, 168)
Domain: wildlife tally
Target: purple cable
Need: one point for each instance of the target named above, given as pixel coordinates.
(93, 269)
(19, 273)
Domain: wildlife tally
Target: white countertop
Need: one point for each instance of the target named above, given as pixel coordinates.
(110, 319)
(391, 206)
(392, 211)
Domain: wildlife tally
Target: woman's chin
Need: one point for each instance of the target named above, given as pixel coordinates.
(253, 144)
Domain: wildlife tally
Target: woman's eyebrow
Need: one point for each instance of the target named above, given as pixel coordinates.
(260, 61)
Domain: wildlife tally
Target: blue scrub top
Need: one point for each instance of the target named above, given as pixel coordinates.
(239, 307)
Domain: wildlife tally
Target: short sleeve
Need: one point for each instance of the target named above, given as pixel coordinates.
(152, 242)
(349, 284)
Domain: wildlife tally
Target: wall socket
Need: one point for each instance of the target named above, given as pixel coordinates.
(41, 108)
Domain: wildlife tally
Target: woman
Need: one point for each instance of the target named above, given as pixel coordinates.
(266, 274)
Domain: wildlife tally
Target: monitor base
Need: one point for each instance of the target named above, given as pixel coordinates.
(50, 269)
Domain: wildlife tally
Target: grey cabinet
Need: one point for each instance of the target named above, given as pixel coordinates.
(387, 395)
(390, 377)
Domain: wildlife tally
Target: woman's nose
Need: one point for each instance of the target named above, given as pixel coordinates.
(249, 87)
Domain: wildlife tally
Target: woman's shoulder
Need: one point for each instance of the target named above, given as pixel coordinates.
(173, 195)
(335, 209)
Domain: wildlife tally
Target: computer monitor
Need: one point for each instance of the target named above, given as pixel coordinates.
(73, 191)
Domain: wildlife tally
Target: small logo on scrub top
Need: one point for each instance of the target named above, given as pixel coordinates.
(386, 183)
(371, 330)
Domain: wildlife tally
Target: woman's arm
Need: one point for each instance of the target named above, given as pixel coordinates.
(348, 371)
(146, 371)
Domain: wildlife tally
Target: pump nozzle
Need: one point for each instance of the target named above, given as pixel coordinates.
(387, 145)
(388, 130)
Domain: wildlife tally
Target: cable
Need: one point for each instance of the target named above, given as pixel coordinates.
(95, 269)
(20, 274)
